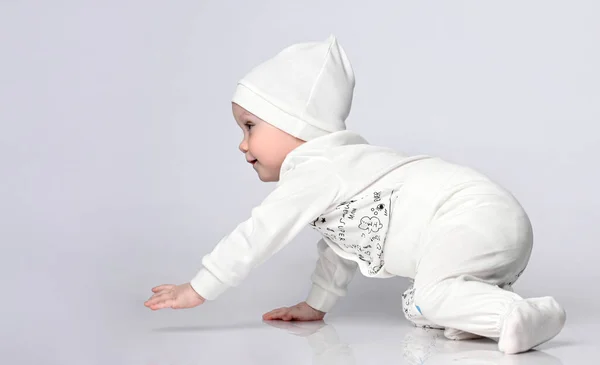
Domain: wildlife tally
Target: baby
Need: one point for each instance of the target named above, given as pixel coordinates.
(461, 239)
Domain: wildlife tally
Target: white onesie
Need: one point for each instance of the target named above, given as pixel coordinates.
(461, 238)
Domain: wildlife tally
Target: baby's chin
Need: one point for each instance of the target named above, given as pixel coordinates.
(266, 176)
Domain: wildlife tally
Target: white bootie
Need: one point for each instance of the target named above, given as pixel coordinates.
(529, 323)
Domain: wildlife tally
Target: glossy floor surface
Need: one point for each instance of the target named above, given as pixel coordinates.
(377, 341)
(218, 333)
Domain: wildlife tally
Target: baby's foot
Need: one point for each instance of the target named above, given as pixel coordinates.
(530, 323)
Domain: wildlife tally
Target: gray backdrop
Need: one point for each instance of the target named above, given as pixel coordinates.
(119, 161)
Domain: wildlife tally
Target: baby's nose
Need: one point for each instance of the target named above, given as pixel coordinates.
(243, 146)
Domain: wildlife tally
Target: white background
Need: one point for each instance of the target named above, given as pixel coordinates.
(119, 166)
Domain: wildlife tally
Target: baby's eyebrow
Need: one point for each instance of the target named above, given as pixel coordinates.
(246, 113)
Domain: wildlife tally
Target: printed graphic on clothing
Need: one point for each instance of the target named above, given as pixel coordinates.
(359, 226)
(371, 224)
(412, 311)
(408, 304)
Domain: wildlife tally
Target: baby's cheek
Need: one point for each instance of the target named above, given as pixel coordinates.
(267, 162)
(273, 158)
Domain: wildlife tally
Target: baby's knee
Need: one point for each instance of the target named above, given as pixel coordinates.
(437, 296)
(429, 299)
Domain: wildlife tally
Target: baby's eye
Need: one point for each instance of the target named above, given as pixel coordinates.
(249, 126)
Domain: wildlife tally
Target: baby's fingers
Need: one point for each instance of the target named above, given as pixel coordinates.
(160, 301)
(276, 310)
(158, 298)
(275, 314)
(167, 303)
(288, 316)
(162, 287)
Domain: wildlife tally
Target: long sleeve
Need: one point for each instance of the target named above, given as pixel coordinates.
(294, 203)
(330, 278)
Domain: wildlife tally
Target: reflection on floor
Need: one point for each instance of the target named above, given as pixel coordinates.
(344, 341)
(418, 346)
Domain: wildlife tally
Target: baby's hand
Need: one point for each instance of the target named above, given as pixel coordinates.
(174, 296)
(299, 312)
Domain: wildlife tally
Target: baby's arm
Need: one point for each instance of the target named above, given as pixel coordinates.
(330, 281)
(330, 278)
(302, 196)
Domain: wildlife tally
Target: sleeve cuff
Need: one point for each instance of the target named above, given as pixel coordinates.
(207, 285)
(321, 299)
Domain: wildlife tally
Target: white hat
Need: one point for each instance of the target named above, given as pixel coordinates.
(305, 90)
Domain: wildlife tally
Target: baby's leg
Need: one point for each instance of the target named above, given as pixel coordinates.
(412, 313)
(469, 256)
(418, 320)
(457, 335)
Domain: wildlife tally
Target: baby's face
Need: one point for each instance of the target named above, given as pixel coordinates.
(264, 146)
